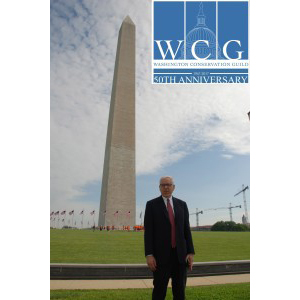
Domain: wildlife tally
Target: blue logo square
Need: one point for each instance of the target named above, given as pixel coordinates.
(200, 42)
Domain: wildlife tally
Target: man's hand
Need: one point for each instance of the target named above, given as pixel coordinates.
(151, 262)
(190, 260)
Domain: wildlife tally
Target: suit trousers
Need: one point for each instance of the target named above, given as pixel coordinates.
(173, 269)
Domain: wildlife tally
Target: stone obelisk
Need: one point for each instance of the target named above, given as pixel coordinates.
(117, 204)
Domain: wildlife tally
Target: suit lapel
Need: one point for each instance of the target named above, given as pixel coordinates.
(177, 211)
(175, 206)
(163, 207)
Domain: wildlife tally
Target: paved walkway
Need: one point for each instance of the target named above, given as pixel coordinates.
(142, 283)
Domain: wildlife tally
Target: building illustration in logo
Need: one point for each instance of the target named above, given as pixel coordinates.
(208, 49)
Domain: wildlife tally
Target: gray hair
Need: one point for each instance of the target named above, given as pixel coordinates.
(167, 177)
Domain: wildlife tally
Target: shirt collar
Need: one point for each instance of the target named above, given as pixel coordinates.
(165, 200)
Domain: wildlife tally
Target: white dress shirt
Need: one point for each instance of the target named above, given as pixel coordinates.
(171, 202)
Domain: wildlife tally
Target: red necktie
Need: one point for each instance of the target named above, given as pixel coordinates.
(172, 221)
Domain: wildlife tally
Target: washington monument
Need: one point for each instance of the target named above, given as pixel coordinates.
(117, 204)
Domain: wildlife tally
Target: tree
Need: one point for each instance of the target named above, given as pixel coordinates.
(229, 226)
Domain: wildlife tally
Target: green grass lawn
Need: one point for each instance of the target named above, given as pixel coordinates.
(239, 291)
(102, 247)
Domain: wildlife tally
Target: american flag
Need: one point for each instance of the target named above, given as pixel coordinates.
(63, 212)
(71, 212)
(93, 212)
(116, 213)
(82, 212)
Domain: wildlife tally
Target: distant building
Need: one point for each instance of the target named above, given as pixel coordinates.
(201, 228)
(244, 220)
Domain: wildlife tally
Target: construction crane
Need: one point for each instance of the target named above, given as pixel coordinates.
(243, 190)
(197, 215)
(230, 209)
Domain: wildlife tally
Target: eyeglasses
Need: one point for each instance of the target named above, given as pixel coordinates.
(166, 185)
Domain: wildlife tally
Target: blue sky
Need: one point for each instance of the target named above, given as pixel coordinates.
(198, 134)
(204, 180)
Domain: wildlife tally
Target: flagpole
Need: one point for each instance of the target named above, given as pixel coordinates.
(58, 219)
(104, 218)
(82, 220)
(117, 213)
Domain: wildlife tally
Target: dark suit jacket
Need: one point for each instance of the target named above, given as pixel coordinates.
(158, 230)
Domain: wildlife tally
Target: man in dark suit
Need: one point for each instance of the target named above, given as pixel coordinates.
(168, 241)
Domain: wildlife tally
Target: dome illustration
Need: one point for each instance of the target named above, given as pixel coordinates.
(201, 32)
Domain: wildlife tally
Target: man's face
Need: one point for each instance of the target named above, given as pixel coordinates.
(166, 187)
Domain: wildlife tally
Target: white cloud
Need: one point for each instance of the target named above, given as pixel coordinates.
(227, 156)
(171, 121)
